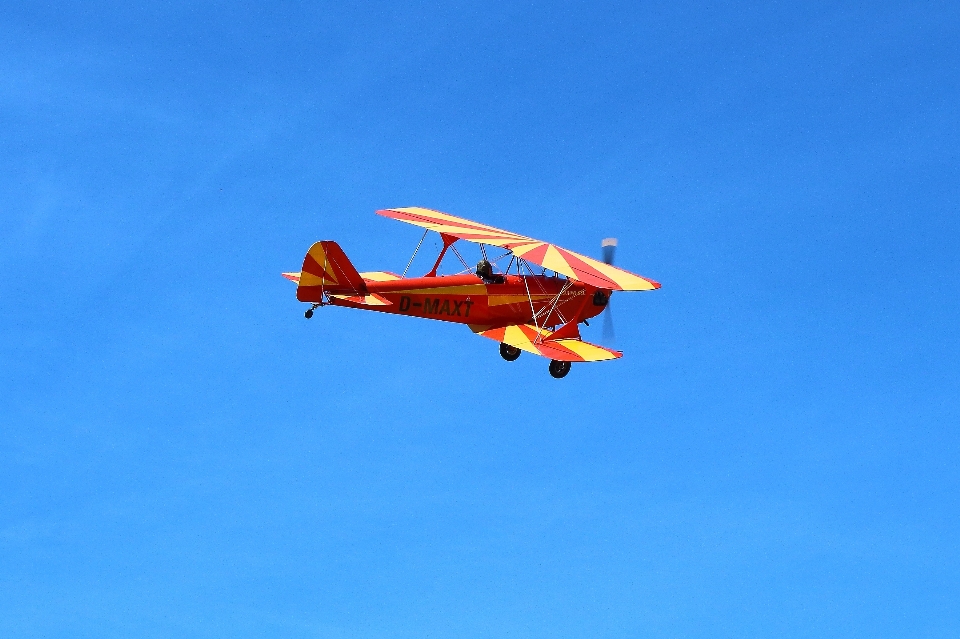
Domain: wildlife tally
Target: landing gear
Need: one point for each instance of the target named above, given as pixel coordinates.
(309, 312)
(559, 369)
(508, 352)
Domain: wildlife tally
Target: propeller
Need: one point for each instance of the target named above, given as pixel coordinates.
(609, 247)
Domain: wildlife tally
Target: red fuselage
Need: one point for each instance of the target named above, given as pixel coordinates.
(465, 299)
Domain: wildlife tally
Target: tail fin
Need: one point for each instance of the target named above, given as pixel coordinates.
(326, 268)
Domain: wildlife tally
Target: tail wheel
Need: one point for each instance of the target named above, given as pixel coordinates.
(559, 369)
(508, 352)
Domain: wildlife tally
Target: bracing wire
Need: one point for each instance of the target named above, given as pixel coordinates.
(563, 289)
(422, 237)
(469, 269)
(457, 253)
(325, 271)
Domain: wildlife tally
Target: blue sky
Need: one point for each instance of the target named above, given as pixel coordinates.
(182, 454)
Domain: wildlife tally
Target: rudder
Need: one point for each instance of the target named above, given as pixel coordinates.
(327, 269)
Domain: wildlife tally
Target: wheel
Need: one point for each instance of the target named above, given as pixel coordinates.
(559, 369)
(309, 313)
(508, 352)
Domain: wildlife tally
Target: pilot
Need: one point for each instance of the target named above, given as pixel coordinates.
(485, 273)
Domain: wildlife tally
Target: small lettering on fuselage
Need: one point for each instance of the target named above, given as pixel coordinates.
(437, 306)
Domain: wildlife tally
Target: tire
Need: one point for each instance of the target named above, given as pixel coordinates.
(508, 352)
(559, 369)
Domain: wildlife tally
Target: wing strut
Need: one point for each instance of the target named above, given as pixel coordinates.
(448, 241)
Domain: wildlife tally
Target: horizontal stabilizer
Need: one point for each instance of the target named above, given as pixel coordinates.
(367, 300)
(380, 276)
(537, 341)
(372, 276)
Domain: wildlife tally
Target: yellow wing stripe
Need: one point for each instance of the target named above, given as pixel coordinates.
(589, 352)
(554, 261)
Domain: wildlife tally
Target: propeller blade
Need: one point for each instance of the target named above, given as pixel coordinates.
(609, 247)
(608, 333)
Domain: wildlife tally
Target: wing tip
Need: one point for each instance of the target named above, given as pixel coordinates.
(652, 285)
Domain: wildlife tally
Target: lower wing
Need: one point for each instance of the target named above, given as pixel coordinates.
(538, 341)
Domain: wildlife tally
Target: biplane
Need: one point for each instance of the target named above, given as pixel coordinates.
(522, 309)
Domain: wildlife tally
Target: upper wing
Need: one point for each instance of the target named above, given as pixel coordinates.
(573, 265)
(537, 341)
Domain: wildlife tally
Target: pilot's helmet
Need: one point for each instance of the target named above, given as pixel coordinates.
(484, 270)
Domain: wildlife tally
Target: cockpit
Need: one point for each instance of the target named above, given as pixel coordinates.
(485, 273)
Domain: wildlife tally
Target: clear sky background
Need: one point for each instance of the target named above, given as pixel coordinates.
(182, 454)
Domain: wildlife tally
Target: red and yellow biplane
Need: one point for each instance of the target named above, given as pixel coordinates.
(522, 310)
